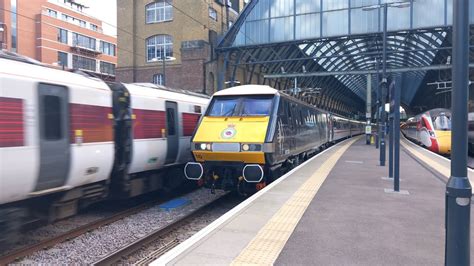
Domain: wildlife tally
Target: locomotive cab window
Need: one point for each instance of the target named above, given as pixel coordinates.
(442, 122)
(223, 106)
(241, 106)
(52, 117)
(256, 106)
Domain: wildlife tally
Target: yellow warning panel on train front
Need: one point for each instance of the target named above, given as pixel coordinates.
(232, 129)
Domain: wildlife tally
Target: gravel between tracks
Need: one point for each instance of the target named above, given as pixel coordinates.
(188, 230)
(91, 246)
(47, 231)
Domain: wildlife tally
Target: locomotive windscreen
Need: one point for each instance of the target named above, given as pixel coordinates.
(241, 106)
(442, 122)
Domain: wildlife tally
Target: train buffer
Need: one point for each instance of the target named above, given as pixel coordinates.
(333, 209)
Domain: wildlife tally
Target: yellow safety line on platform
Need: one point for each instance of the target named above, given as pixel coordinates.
(445, 171)
(270, 240)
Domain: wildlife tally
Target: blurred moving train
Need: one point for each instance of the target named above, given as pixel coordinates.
(431, 129)
(251, 134)
(68, 140)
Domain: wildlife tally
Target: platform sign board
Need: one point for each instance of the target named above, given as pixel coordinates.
(368, 129)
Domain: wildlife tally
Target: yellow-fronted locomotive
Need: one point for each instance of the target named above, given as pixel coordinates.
(251, 134)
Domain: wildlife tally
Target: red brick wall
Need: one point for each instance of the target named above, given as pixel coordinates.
(189, 75)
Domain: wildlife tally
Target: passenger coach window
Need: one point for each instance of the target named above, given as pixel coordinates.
(52, 117)
(171, 123)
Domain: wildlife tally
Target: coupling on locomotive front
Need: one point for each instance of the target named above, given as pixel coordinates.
(250, 134)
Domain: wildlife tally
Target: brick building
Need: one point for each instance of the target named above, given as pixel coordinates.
(57, 32)
(183, 31)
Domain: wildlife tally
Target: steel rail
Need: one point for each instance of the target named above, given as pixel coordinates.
(115, 257)
(28, 250)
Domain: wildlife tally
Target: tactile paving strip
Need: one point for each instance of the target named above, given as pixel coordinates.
(270, 240)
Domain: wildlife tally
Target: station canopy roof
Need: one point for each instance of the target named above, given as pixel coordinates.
(328, 48)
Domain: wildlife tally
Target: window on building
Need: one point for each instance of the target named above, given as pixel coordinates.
(158, 79)
(213, 13)
(159, 46)
(80, 62)
(83, 41)
(234, 4)
(107, 48)
(62, 59)
(94, 27)
(107, 68)
(62, 35)
(73, 20)
(13, 28)
(51, 13)
(159, 11)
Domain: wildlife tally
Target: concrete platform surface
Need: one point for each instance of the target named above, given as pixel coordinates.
(332, 211)
(352, 221)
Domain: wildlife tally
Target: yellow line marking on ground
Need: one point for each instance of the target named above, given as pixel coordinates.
(440, 168)
(445, 171)
(270, 240)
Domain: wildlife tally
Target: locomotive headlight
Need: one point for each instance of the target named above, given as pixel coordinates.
(251, 147)
(203, 146)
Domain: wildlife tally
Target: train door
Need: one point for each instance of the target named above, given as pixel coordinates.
(53, 105)
(172, 130)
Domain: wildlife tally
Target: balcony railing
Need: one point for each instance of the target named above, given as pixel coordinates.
(78, 47)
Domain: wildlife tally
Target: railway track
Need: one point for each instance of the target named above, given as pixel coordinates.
(27, 250)
(117, 256)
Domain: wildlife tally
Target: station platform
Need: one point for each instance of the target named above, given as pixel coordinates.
(333, 210)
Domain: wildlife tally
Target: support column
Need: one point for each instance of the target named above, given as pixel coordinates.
(368, 115)
(384, 88)
(395, 131)
(391, 127)
(377, 109)
(458, 188)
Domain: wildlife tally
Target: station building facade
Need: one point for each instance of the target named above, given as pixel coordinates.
(58, 32)
(184, 32)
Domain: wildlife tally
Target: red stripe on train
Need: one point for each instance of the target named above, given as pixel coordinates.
(12, 132)
(148, 124)
(93, 121)
(189, 123)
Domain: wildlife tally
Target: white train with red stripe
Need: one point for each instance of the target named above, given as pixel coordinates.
(431, 129)
(67, 140)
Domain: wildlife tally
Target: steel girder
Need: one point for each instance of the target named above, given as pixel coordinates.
(412, 48)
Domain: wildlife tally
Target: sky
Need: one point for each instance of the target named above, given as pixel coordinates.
(105, 10)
